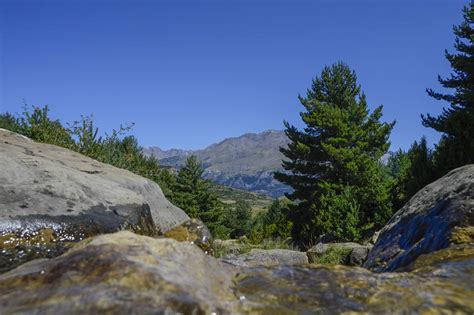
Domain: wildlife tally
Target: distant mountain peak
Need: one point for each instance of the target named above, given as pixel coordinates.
(244, 162)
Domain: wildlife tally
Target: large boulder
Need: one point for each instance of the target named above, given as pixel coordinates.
(125, 273)
(268, 257)
(51, 197)
(439, 215)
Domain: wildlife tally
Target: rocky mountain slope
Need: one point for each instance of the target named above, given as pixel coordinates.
(246, 162)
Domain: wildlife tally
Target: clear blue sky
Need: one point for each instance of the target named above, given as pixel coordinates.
(190, 73)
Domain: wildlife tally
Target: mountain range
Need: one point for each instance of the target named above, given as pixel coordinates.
(246, 162)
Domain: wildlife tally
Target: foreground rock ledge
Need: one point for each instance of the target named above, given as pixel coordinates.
(124, 273)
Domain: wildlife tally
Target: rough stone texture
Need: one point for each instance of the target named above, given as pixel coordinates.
(432, 220)
(358, 255)
(124, 273)
(267, 258)
(322, 248)
(52, 190)
(193, 231)
(120, 273)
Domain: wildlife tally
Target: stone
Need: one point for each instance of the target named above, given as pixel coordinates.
(229, 248)
(51, 197)
(193, 231)
(358, 255)
(267, 258)
(439, 215)
(344, 249)
(120, 273)
(125, 273)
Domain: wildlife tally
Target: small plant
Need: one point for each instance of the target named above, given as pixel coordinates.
(333, 256)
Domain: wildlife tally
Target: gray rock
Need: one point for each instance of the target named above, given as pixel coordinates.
(53, 196)
(267, 258)
(359, 255)
(322, 248)
(125, 273)
(344, 249)
(440, 214)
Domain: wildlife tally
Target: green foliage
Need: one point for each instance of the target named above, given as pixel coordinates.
(340, 215)
(272, 224)
(243, 245)
(411, 171)
(38, 126)
(333, 256)
(398, 169)
(9, 122)
(191, 193)
(228, 195)
(339, 148)
(456, 123)
(238, 219)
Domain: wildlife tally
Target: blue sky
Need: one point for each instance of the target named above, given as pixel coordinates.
(190, 73)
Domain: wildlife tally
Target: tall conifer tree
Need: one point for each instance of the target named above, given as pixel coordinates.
(456, 123)
(335, 156)
(191, 193)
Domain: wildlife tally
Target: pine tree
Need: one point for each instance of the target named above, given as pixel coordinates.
(411, 171)
(238, 219)
(338, 152)
(191, 193)
(456, 123)
(422, 171)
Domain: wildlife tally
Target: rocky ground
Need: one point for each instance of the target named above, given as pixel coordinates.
(57, 261)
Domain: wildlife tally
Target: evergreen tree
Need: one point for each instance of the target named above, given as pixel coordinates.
(422, 171)
(238, 219)
(398, 169)
(456, 123)
(191, 193)
(9, 122)
(411, 171)
(272, 224)
(337, 153)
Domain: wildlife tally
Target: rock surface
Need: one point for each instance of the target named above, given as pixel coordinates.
(124, 273)
(193, 231)
(267, 258)
(358, 255)
(246, 162)
(354, 253)
(51, 196)
(439, 215)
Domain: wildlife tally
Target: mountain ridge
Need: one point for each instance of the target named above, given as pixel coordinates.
(244, 162)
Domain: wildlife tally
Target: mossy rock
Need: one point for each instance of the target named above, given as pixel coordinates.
(193, 231)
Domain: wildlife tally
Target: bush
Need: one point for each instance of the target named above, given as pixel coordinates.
(333, 256)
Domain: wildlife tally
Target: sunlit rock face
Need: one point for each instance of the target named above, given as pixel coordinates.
(51, 197)
(125, 273)
(438, 216)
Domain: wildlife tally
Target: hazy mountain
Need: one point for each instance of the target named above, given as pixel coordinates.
(245, 162)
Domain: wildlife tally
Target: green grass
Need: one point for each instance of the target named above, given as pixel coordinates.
(333, 256)
(258, 202)
(239, 247)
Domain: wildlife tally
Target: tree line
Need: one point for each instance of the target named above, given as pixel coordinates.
(342, 188)
(346, 184)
